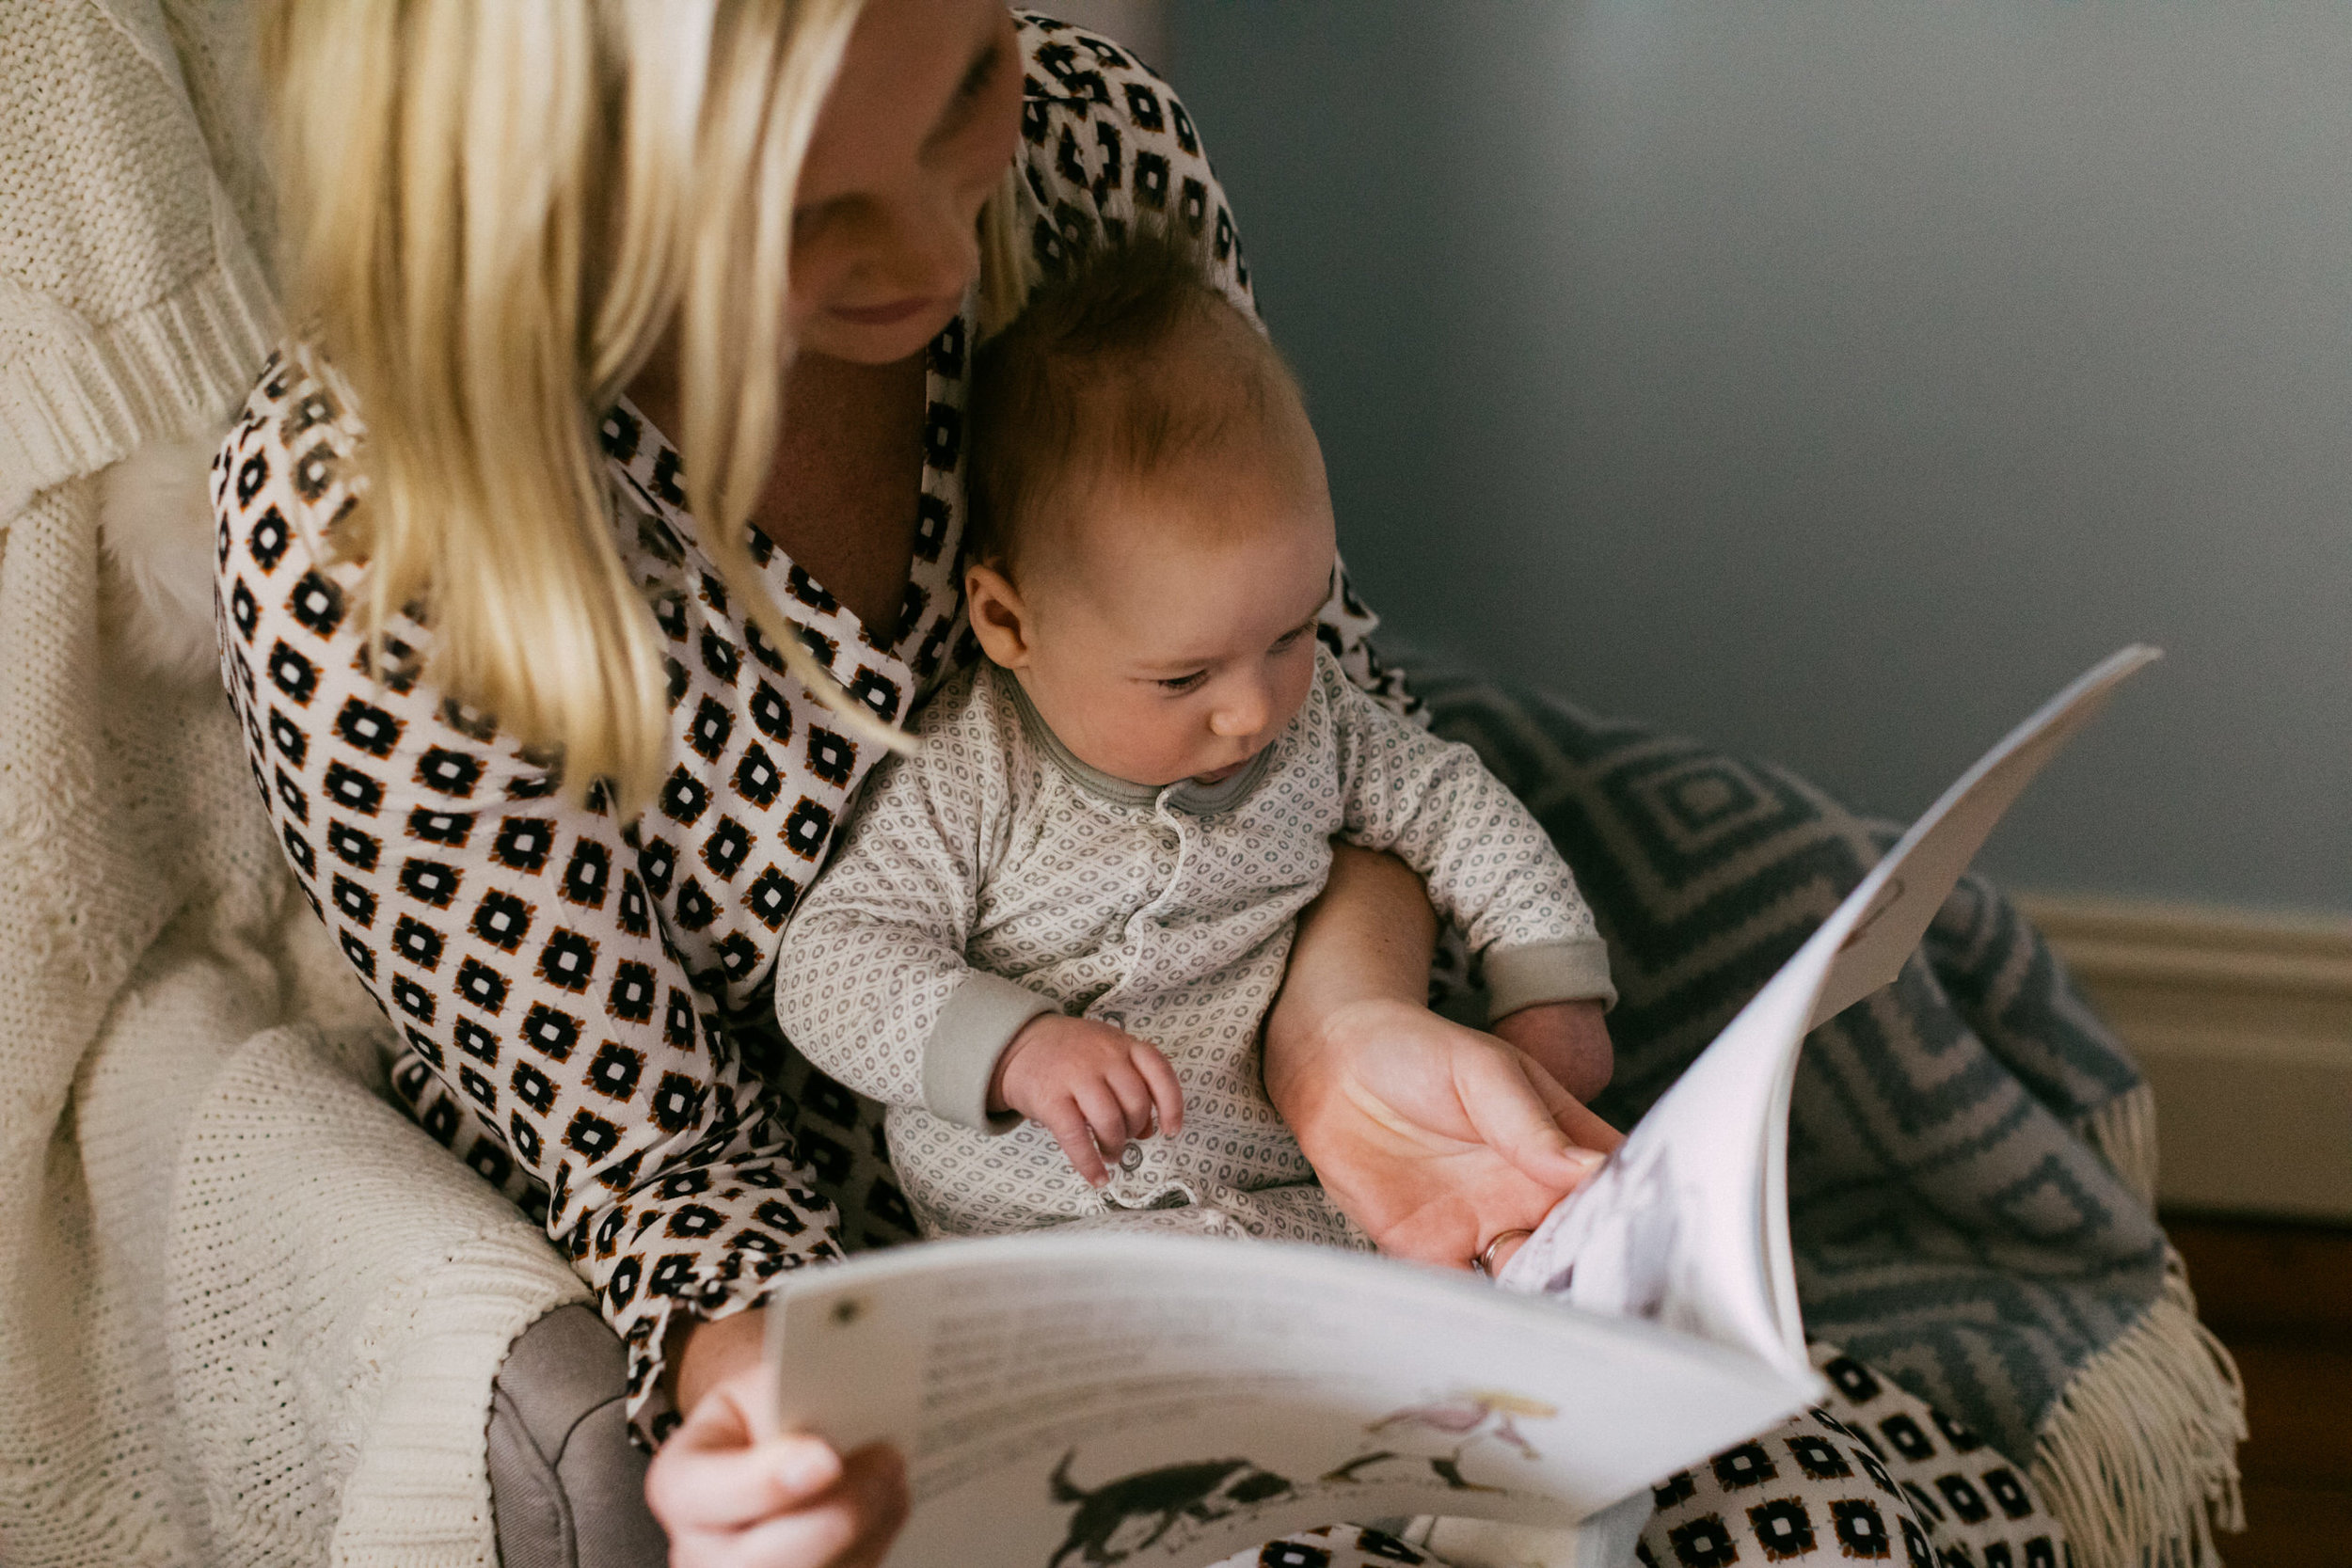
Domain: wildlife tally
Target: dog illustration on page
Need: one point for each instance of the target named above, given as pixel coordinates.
(1121, 1517)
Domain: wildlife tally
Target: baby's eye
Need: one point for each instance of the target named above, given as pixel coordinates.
(1290, 639)
(1182, 683)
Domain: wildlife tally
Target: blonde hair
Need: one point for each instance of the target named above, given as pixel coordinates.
(494, 211)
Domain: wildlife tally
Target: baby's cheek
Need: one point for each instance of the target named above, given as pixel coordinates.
(1144, 737)
(1298, 680)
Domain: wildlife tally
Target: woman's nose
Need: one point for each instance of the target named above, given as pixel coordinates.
(934, 246)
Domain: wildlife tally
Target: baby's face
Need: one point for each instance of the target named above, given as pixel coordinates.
(1175, 636)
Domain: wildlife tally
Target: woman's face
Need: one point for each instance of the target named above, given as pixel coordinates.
(915, 134)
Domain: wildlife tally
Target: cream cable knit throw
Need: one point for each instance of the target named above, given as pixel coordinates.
(248, 1312)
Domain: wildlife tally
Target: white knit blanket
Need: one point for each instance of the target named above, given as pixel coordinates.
(248, 1312)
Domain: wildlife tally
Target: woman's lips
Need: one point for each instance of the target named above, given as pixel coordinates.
(883, 315)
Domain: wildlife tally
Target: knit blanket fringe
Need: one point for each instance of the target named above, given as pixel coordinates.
(2123, 1131)
(2137, 1457)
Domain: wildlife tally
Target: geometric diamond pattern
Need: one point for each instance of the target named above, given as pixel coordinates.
(1951, 1226)
(577, 988)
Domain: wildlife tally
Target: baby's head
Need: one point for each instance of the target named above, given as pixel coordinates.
(1152, 533)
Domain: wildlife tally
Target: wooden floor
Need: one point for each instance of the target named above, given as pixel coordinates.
(2280, 1297)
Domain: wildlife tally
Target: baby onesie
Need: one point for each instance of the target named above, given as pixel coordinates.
(992, 876)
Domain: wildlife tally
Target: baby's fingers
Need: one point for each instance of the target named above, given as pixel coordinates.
(1068, 1123)
(1168, 1095)
(1104, 1113)
(1135, 1098)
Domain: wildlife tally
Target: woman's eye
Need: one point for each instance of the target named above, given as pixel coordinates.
(1183, 683)
(969, 91)
(982, 72)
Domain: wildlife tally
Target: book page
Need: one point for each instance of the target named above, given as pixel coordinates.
(1090, 1399)
(1688, 1224)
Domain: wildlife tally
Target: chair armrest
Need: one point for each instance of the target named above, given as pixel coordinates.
(567, 1488)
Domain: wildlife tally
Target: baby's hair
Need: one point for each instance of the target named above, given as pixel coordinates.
(1075, 387)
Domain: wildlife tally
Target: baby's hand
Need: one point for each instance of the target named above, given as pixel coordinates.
(1567, 1039)
(1091, 1086)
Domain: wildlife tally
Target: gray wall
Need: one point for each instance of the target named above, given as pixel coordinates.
(1834, 378)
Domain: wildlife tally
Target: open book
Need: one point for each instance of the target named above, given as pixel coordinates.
(1075, 1400)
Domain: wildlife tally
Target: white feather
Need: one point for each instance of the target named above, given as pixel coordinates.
(156, 527)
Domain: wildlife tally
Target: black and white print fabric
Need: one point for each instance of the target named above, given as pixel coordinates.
(565, 984)
(1871, 1474)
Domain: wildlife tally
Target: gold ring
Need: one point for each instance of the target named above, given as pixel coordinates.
(1485, 1262)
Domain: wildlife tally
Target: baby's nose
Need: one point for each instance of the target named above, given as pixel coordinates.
(1241, 714)
(1238, 722)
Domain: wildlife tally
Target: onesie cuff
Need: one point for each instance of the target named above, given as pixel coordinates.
(982, 1016)
(1544, 972)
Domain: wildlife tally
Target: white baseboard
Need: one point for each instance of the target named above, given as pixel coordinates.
(2244, 1024)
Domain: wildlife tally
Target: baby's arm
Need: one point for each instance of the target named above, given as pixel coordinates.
(1570, 1039)
(1491, 869)
(872, 983)
(873, 988)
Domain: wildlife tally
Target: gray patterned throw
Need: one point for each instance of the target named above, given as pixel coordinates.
(1971, 1151)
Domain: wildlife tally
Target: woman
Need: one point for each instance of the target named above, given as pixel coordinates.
(558, 837)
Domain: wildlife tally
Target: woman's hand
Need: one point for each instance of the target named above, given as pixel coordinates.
(732, 1487)
(1434, 1138)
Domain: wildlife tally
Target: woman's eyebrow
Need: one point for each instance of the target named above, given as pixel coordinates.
(976, 76)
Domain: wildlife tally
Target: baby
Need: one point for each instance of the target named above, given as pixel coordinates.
(1059, 926)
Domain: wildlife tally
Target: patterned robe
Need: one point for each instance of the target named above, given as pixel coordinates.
(571, 990)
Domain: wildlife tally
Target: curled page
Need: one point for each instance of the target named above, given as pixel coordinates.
(1687, 1225)
(1076, 1399)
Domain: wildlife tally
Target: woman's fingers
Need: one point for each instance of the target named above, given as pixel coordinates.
(1584, 1128)
(1168, 1095)
(1570, 1115)
(879, 1476)
(1068, 1123)
(733, 1493)
(850, 1526)
(1512, 1114)
(712, 1475)
(1500, 1255)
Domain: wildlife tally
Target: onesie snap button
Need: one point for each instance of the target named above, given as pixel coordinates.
(1132, 1158)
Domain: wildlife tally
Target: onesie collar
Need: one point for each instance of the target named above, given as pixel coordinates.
(1200, 800)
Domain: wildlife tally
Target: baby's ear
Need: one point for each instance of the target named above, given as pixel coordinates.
(999, 619)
